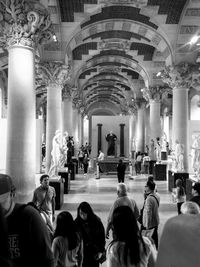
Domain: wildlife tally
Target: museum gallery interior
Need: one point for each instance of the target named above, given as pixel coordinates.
(90, 68)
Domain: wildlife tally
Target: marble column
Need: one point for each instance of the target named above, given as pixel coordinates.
(21, 122)
(81, 129)
(21, 119)
(54, 75)
(155, 122)
(180, 120)
(99, 138)
(54, 118)
(180, 78)
(67, 115)
(122, 140)
(140, 127)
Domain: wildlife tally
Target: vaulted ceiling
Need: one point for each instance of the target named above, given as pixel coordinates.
(117, 47)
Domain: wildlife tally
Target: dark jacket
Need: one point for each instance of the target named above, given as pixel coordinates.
(121, 167)
(28, 238)
(93, 234)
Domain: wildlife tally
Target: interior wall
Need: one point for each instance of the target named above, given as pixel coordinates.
(110, 123)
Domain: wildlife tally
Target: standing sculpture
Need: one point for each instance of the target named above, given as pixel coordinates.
(179, 156)
(111, 138)
(196, 154)
(56, 153)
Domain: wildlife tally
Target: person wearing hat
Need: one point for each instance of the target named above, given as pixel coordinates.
(122, 200)
(196, 193)
(150, 216)
(29, 242)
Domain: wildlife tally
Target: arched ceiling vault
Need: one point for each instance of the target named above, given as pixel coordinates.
(117, 47)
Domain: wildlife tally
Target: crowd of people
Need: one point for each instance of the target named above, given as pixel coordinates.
(30, 235)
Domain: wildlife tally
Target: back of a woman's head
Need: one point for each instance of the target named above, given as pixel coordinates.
(86, 208)
(126, 230)
(65, 227)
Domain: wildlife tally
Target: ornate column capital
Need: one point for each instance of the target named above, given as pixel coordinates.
(54, 72)
(132, 107)
(179, 76)
(155, 93)
(140, 103)
(67, 92)
(24, 23)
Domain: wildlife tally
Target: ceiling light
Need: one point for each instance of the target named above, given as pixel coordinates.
(194, 39)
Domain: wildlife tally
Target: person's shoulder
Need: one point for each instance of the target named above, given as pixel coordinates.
(38, 189)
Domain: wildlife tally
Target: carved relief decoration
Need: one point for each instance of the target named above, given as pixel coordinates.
(115, 44)
(25, 23)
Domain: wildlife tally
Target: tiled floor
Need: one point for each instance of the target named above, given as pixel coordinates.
(101, 193)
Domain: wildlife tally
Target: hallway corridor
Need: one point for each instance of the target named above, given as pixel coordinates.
(101, 193)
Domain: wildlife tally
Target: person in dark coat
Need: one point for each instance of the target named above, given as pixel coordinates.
(93, 234)
(121, 167)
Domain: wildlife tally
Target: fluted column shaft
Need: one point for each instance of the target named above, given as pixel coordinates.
(54, 115)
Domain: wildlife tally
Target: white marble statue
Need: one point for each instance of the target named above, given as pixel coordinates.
(179, 156)
(164, 142)
(196, 154)
(56, 153)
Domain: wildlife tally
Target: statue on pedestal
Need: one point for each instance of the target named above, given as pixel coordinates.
(56, 153)
(179, 157)
(111, 138)
(158, 149)
(196, 154)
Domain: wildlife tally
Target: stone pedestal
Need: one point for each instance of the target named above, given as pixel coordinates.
(160, 172)
(59, 188)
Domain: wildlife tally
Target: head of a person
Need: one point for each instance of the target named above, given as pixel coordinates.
(121, 189)
(85, 211)
(179, 183)
(125, 229)
(64, 223)
(65, 226)
(120, 161)
(196, 188)
(44, 180)
(150, 186)
(190, 207)
(7, 192)
(150, 178)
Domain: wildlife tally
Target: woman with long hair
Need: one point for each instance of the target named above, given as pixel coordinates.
(179, 194)
(67, 244)
(93, 234)
(128, 248)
